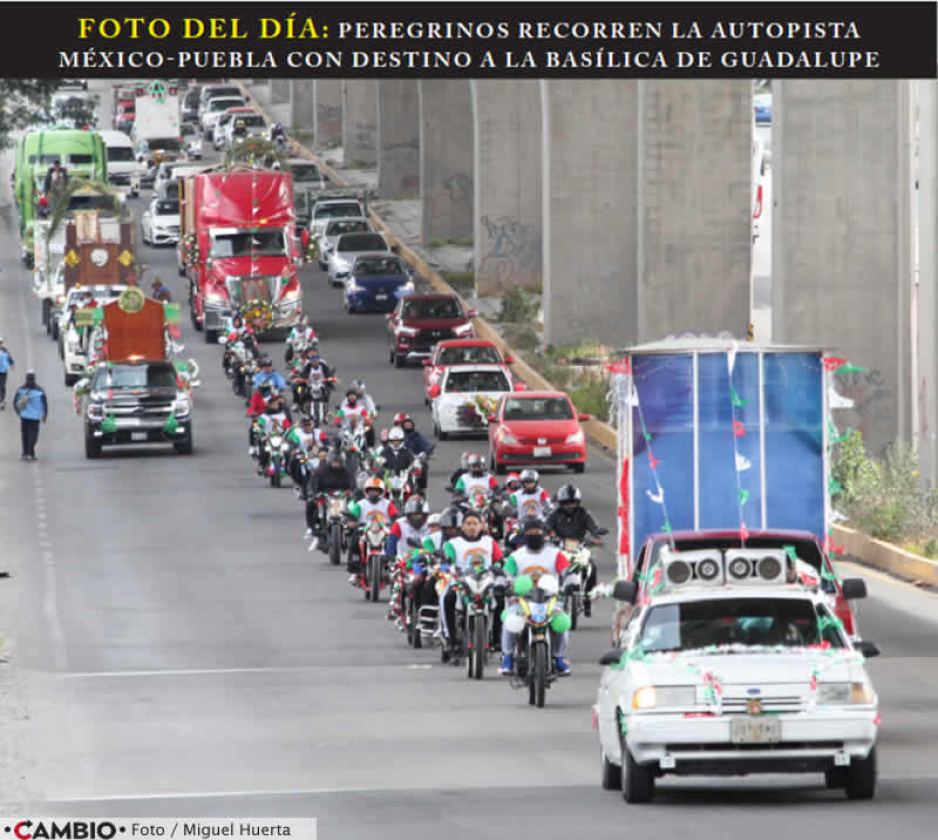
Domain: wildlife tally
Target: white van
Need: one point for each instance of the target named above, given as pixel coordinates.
(123, 169)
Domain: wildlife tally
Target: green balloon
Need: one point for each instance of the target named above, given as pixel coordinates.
(504, 614)
(561, 623)
(523, 585)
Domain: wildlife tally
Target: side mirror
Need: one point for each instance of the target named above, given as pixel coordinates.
(82, 385)
(854, 588)
(509, 360)
(611, 657)
(584, 417)
(625, 590)
(493, 419)
(427, 363)
(520, 386)
(472, 313)
(866, 649)
(222, 339)
(396, 249)
(434, 392)
(389, 316)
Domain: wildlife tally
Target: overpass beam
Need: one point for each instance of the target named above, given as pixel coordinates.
(398, 139)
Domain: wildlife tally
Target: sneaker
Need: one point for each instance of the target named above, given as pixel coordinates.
(24, 457)
(508, 664)
(587, 608)
(353, 580)
(308, 535)
(561, 666)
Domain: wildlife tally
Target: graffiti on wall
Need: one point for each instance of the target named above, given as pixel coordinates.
(511, 256)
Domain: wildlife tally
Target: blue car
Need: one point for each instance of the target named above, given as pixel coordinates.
(376, 283)
(762, 106)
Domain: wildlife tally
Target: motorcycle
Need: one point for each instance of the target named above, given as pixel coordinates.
(402, 485)
(575, 577)
(534, 668)
(319, 393)
(374, 563)
(352, 442)
(476, 602)
(276, 448)
(334, 504)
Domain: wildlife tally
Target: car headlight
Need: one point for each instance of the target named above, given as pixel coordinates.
(663, 696)
(844, 694)
(576, 437)
(182, 406)
(461, 330)
(506, 437)
(215, 297)
(408, 331)
(351, 285)
(95, 411)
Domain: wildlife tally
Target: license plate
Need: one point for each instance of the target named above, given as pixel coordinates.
(138, 436)
(541, 451)
(381, 297)
(755, 730)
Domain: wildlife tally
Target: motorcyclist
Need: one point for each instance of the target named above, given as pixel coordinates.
(364, 398)
(374, 505)
(472, 549)
(570, 520)
(305, 438)
(531, 500)
(268, 374)
(352, 408)
(435, 538)
(302, 335)
(396, 458)
(410, 531)
(275, 419)
(259, 400)
(462, 470)
(449, 522)
(331, 476)
(240, 130)
(236, 328)
(419, 445)
(277, 133)
(476, 485)
(536, 556)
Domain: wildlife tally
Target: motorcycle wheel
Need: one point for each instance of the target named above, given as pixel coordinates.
(475, 661)
(275, 475)
(571, 606)
(417, 642)
(374, 579)
(335, 543)
(539, 675)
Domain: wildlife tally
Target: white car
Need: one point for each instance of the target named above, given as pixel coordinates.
(193, 140)
(218, 131)
(255, 125)
(731, 680)
(464, 392)
(214, 108)
(333, 230)
(306, 175)
(159, 224)
(326, 210)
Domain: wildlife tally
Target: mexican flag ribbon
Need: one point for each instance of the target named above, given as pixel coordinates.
(831, 363)
(622, 366)
(623, 511)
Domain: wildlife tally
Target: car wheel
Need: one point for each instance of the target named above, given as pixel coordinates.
(497, 468)
(92, 447)
(578, 468)
(390, 357)
(638, 783)
(611, 777)
(211, 336)
(398, 360)
(70, 379)
(860, 779)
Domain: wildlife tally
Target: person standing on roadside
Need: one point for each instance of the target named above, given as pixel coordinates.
(31, 405)
(6, 362)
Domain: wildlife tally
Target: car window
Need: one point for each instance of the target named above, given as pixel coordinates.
(164, 208)
(119, 154)
(538, 408)
(389, 266)
(254, 120)
(470, 381)
(335, 211)
(435, 308)
(472, 355)
(362, 242)
(261, 243)
(217, 105)
(305, 172)
(348, 226)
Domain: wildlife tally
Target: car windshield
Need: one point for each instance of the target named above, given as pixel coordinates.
(119, 154)
(749, 622)
(222, 91)
(477, 380)
(432, 309)
(253, 120)
(379, 265)
(165, 208)
(305, 172)
(350, 226)
(90, 202)
(335, 211)
(80, 160)
(538, 408)
(362, 242)
(128, 108)
(217, 105)
(168, 144)
(478, 355)
(261, 243)
(121, 377)
(47, 159)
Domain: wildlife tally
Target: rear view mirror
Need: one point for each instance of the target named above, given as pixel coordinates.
(472, 313)
(520, 386)
(625, 590)
(854, 588)
(493, 419)
(611, 657)
(867, 649)
(222, 339)
(509, 360)
(584, 417)
(427, 363)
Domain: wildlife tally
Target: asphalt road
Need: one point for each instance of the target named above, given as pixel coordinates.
(188, 656)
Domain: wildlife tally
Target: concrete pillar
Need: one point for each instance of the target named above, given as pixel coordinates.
(694, 207)
(445, 158)
(507, 184)
(261, 91)
(360, 121)
(841, 271)
(398, 139)
(590, 210)
(279, 91)
(301, 104)
(327, 112)
(926, 379)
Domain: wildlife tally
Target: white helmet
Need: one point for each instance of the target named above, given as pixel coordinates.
(396, 437)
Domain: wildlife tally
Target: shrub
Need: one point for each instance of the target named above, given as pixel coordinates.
(518, 306)
(461, 281)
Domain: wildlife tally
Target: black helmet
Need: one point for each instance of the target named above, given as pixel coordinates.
(450, 518)
(266, 361)
(569, 493)
(416, 505)
(531, 523)
(474, 463)
(265, 389)
(351, 392)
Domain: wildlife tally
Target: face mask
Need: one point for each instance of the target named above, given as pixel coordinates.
(416, 521)
(409, 431)
(534, 541)
(373, 497)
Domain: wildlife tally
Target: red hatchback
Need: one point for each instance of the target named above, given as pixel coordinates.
(460, 351)
(536, 427)
(418, 322)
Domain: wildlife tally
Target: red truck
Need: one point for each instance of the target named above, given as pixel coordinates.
(237, 247)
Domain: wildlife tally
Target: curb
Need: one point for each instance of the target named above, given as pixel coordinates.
(887, 557)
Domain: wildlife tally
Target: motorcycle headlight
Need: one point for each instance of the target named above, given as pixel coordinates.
(276, 441)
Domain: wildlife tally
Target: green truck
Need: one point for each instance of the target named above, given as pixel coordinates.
(82, 154)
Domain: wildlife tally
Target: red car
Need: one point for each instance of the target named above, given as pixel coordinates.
(536, 427)
(807, 547)
(418, 322)
(460, 351)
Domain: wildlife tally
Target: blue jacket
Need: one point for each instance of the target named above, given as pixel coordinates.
(37, 408)
(274, 378)
(417, 443)
(6, 360)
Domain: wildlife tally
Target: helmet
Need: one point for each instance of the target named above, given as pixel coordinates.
(451, 518)
(472, 512)
(531, 523)
(416, 505)
(512, 478)
(474, 463)
(396, 435)
(434, 519)
(335, 455)
(568, 493)
(266, 361)
(399, 418)
(351, 392)
(374, 483)
(464, 459)
(529, 475)
(359, 386)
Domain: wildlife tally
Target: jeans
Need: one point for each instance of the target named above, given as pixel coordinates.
(3, 387)
(558, 641)
(29, 432)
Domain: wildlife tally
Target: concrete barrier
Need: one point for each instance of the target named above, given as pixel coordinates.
(886, 556)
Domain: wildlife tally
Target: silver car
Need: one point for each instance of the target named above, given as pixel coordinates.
(334, 230)
(325, 210)
(350, 246)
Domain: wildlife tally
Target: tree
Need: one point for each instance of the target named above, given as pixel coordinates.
(78, 111)
(23, 102)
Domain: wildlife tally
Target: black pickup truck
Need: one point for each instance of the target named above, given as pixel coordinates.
(137, 402)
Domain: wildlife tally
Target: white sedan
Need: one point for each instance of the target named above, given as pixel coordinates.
(159, 224)
(715, 680)
(465, 397)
